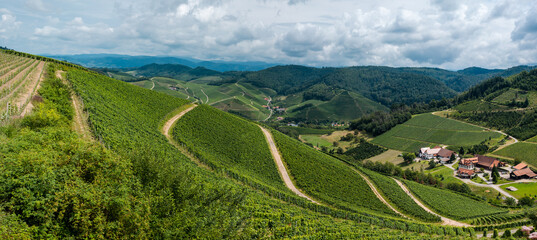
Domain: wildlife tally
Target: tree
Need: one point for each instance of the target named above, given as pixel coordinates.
(525, 201)
(533, 218)
(461, 151)
(452, 158)
(432, 164)
(409, 157)
(495, 233)
(495, 175)
(510, 201)
(507, 233)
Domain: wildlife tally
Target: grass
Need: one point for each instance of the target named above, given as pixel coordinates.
(316, 140)
(446, 173)
(533, 139)
(388, 156)
(478, 105)
(522, 151)
(428, 130)
(524, 189)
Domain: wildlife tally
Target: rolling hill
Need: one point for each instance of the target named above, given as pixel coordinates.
(214, 179)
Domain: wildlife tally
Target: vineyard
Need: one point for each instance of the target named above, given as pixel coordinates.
(326, 178)
(429, 130)
(228, 142)
(19, 79)
(399, 198)
(450, 204)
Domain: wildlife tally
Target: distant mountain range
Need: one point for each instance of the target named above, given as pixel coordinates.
(126, 61)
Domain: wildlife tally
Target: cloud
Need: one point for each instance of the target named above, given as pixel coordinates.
(448, 34)
(8, 23)
(435, 54)
(36, 5)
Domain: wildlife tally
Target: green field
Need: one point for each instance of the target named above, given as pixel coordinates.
(533, 139)
(229, 142)
(451, 204)
(522, 151)
(316, 140)
(478, 105)
(524, 189)
(326, 178)
(428, 130)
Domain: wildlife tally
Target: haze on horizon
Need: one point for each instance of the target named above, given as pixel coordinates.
(434, 33)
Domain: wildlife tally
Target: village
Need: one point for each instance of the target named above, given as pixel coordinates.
(489, 170)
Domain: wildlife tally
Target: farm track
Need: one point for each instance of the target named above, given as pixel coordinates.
(80, 124)
(445, 221)
(281, 167)
(377, 193)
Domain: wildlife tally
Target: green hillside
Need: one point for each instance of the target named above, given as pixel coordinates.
(428, 130)
(128, 181)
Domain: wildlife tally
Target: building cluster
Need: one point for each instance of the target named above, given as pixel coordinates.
(440, 153)
(469, 167)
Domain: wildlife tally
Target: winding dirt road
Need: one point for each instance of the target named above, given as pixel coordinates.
(281, 168)
(379, 196)
(168, 125)
(445, 221)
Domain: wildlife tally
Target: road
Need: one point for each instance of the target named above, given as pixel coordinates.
(168, 125)
(281, 167)
(153, 84)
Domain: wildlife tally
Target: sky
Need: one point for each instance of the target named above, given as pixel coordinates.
(452, 34)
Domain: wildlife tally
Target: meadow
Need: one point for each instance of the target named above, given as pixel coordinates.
(524, 189)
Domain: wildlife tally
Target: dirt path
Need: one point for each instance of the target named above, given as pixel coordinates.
(153, 84)
(281, 168)
(207, 102)
(379, 196)
(445, 221)
(17, 80)
(168, 125)
(80, 124)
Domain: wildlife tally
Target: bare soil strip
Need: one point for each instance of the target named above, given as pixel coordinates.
(281, 167)
(24, 68)
(379, 196)
(445, 221)
(80, 124)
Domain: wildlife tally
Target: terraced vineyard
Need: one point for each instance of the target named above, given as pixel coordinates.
(19, 79)
(429, 130)
(399, 198)
(451, 204)
(229, 142)
(325, 178)
(524, 151)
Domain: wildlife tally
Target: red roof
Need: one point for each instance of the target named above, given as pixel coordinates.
(466, 171)
(488, 162)
(468, 161)
(445, 153)
(520, 166)
(525, 172)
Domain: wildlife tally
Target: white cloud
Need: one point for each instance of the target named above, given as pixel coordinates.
(450, 34)
(8, 23)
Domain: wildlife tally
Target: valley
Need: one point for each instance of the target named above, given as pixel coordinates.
(169, 141)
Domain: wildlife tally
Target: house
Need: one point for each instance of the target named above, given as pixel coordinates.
(445, 155)
(429, 153)
(523, 173)
(520, 166)
(467, 168)
(487, 162)
(465, 173)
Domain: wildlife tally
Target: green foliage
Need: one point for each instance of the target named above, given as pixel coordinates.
(11, 227)
(399, 198)
(364, 150)
(319, 92)
(43, 116)
(380, 122)
(451, 204)
(326, 178)
(409, 157)
(126, 118)
(228, 142)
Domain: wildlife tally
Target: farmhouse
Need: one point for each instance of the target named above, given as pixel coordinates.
(467, 168)
(520, 166)
(445, 155)
(523, 173)
(429, 153)
(487, 162)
